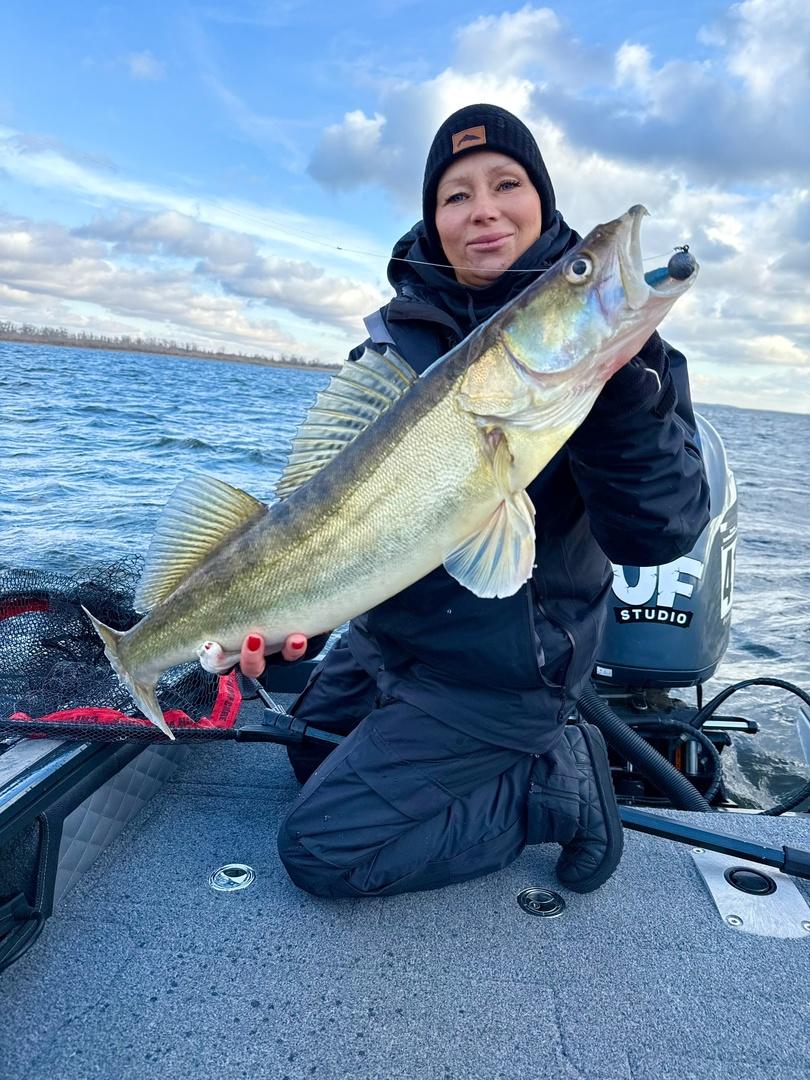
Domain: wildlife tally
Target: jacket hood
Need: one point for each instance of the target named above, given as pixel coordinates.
(415, 275)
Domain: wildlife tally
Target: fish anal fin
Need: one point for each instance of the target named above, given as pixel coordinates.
(356, 397)
(201, 512)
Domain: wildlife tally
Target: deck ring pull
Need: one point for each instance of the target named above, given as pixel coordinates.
(232, 877)
(542, 902)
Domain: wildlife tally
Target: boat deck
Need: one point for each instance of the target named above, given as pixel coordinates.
(144, 970)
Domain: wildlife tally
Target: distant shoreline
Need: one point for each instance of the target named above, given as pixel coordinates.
(148, 349)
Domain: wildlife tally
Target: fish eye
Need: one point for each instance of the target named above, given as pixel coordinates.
(579, 270)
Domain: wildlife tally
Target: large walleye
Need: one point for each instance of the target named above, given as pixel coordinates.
(392, 475)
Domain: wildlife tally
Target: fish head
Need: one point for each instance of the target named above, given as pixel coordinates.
(568, 332)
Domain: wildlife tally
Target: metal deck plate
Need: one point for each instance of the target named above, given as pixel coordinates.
(784, 913)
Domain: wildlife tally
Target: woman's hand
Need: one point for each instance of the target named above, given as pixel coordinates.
(251, 658)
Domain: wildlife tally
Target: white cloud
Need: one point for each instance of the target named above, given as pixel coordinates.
(616, 130)
(216, 299)
(235, 263)
(144, 65)
(738, 114)
(168, 233)
(534, 42)
(633, 65)
(41, 162)
(341, 159)
(389, 148)
(769, 49)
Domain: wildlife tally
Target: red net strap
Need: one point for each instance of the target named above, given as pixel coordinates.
(21, 605)
(223, 713)
(228, 702)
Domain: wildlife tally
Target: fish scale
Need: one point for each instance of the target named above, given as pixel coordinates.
(392, 476)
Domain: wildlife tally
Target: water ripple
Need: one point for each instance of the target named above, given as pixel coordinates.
(93, 444)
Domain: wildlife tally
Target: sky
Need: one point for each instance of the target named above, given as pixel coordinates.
(234, 173)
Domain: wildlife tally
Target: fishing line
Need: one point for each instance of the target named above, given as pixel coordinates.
(396, 258)
(448, 266)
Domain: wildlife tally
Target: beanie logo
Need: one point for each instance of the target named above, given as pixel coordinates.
(474, 136)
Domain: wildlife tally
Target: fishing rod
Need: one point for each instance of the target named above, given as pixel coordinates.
(38, 600)
(280, 727)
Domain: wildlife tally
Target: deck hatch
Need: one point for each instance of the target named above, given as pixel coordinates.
(779, 911)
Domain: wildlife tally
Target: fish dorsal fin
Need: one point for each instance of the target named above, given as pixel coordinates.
(355, 398)
(200, 514)
(499, 558)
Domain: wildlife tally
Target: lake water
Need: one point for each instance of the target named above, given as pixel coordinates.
(93, 442)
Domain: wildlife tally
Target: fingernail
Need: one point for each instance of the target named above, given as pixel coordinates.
(298, 643)
(254, 643)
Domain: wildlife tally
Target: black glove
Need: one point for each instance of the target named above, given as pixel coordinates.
(643, 383)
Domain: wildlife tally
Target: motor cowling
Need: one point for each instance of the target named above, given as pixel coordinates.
(669, 625)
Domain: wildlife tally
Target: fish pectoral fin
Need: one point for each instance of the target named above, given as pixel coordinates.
(498, 559)
(356, 397)
(201, 512)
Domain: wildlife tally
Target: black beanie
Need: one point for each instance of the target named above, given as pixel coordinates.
(483, 127)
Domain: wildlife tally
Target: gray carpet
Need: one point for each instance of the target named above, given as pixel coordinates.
(144, 971)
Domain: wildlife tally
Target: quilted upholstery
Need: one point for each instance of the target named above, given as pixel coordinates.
(96, 822)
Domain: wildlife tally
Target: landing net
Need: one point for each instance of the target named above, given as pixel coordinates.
(56, 682)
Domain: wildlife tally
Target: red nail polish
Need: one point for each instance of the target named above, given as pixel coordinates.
(254, 643)
(298, 643)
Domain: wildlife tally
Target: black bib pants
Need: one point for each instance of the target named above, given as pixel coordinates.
(404, 803)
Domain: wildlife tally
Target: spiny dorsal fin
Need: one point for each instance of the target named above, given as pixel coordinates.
(200, 514)
(354, 399)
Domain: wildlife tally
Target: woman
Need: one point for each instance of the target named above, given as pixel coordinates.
(459, 752)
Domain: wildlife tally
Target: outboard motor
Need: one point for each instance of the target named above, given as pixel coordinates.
(669, 625)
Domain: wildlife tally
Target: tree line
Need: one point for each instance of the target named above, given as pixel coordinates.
(82, 339)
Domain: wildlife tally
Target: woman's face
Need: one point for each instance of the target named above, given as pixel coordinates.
(487, 215)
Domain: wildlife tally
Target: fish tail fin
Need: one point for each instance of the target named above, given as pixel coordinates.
(142, 692)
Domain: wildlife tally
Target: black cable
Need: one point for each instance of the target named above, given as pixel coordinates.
(700, 718)
(703, 715)
(684, 795)
(683, 726)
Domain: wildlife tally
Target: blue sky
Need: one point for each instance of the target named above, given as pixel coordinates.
(191, 170)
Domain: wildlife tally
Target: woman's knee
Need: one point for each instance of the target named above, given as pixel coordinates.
(304, 868)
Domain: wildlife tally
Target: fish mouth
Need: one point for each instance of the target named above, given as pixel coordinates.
(639, 287)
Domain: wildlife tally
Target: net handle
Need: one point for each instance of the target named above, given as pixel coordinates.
(73, 731)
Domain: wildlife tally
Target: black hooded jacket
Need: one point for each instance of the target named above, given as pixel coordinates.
(628, 486)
